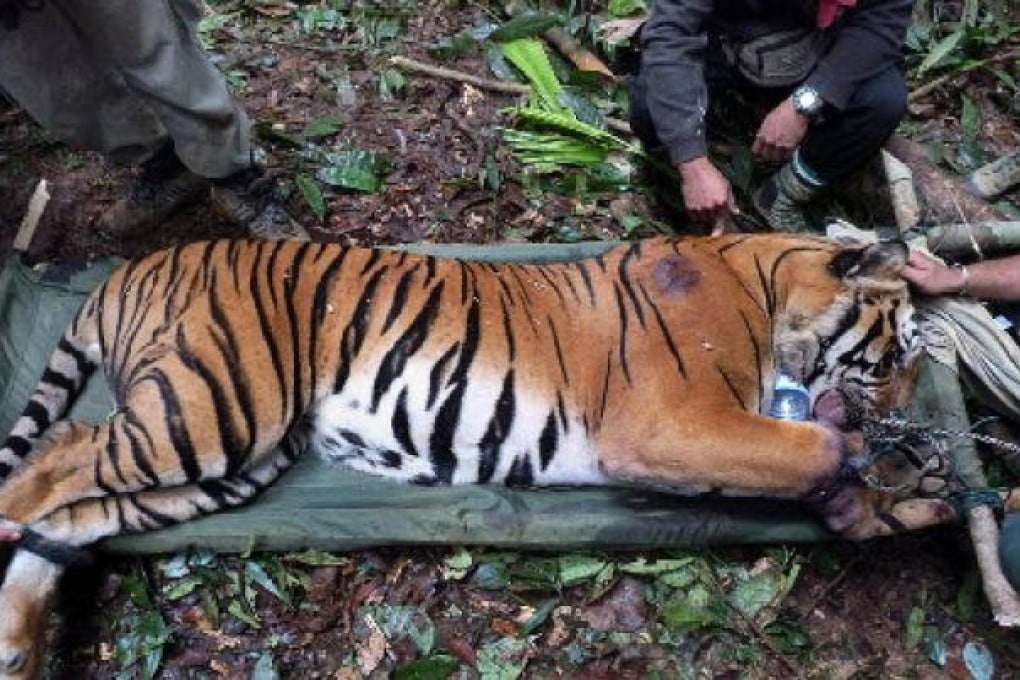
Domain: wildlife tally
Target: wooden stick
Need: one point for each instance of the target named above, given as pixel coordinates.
(933, 85)
(458, 76)
(30, 222)
(901, 191)
(945, 198)
(984, 533)
(993, 179)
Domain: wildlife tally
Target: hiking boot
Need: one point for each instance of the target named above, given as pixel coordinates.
(163, 187)
(780, 200)
(246, 199)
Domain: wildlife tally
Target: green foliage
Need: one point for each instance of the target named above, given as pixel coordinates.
(355, 169)
(524, 26)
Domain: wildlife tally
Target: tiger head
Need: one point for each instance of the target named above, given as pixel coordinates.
(847, 330)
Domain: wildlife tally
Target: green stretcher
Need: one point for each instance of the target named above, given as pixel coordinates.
(326, 507)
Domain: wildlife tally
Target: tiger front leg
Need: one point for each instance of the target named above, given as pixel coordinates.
(741, 453)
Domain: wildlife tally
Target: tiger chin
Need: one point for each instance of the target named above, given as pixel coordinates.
(650, 364)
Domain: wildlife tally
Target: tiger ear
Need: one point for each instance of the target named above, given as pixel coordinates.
(875, 261)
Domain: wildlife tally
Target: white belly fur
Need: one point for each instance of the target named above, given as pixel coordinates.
(574, 460)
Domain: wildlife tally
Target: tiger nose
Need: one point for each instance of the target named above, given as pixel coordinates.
(14, 662)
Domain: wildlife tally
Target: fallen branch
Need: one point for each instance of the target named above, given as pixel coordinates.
(936, 83)
(991, 180)
(614, 124)
(946, 199)
(975, 240)
(901, 191)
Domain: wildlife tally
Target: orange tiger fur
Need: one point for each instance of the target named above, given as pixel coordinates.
(649, 365)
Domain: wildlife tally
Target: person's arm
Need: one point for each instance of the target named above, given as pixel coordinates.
(997, 279)
(869, 39)
(673, 45)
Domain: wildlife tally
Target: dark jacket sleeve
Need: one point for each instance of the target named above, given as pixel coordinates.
(869, 39)
(674, 41)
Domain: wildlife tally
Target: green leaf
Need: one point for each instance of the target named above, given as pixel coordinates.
(680, 615)
(576, 569)
(438, 667)
(624, 8)
(524, 26)
(915, 627)
(530, 57)
(354, 168)
(324, 126)
(317, 558)
(970, 118)
(312, 195)
(500, 660)
(536, 620)
(402, 621)
(941, 51)
(255, 572)
(789, 638)
(491, 576)
(457, 565)
(756, 593)
(137, 591)
(535, 574)
(603, 582)
(182, 588)
(641, 566)
(237, 610)
(391, 83)
(967, 595)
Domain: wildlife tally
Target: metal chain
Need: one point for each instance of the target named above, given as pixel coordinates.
(908, 426)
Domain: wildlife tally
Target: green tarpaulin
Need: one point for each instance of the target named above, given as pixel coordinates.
(330, 508)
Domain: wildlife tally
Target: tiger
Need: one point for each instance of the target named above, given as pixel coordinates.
(650, 364)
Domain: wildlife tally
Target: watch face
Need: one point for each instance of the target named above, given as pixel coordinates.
(807, 101)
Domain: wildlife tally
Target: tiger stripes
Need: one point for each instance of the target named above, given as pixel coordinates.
(649, 364)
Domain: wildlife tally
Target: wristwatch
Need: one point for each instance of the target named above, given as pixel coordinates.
(807, 101)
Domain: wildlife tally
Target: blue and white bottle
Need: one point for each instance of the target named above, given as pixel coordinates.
(790, 399)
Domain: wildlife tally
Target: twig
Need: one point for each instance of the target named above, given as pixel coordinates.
(933, 85)
(322, 49)
(459, 76)
(36, 206)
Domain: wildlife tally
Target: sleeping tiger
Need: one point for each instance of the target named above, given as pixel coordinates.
(650, 364)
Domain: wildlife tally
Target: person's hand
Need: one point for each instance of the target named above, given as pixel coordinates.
(9, 534)
(930, 276)
(780, 133)
(708, 196)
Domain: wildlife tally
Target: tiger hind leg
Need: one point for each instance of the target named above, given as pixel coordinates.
(128, 453)
(32, 579)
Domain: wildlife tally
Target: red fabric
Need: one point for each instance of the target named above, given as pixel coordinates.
(828, 10)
